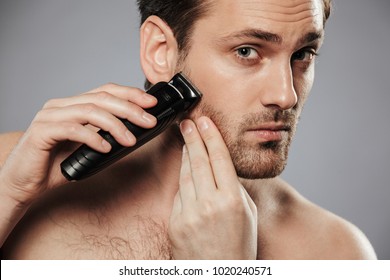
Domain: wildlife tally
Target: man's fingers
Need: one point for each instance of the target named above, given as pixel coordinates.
(103, 110)
(177, 205)
(187, 187)
(202, 174)
(223, 169)
(81, 114)
(117, 106)
(132, 94)
(52, 133)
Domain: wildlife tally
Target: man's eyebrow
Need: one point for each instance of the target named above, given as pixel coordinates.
(311, 37)
(270, 37)
(254, 34)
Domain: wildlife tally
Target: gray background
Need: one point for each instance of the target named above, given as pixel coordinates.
(340, 157)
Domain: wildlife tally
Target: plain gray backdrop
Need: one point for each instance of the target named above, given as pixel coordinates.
(340, 157)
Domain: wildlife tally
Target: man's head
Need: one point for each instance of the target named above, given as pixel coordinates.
(253, 61)
(181, 16)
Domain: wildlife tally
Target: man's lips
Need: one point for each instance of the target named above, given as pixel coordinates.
(269, 132)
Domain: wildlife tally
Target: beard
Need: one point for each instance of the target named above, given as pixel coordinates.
(253, 161)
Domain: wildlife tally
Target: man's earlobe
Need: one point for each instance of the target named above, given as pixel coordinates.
(158, 50)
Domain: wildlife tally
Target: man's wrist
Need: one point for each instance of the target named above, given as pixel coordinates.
(13, 196)
(11, 210)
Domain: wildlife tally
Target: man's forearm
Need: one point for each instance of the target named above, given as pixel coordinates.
(11, 211)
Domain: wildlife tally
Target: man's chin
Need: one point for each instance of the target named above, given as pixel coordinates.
(260, 174)
(264, 165)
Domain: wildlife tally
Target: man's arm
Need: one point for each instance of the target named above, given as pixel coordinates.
(8, 142)
(10, 213)
(32, 167)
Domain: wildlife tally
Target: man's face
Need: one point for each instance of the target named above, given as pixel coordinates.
(254, 62)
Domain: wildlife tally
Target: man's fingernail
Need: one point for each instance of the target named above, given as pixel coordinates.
(149, 98)
(106, 146)
(148, 117)
(186, 127)
(203, 124)
(130, 137)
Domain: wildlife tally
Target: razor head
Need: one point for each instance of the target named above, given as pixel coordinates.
(189, 92)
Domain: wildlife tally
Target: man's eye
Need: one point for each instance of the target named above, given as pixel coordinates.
(304, 55)
(247, 53)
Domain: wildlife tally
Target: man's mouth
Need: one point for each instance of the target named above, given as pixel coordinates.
(271, 132)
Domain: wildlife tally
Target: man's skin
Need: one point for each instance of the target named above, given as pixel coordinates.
(253, 61)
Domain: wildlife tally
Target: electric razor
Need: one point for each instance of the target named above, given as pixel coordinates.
(174, 98)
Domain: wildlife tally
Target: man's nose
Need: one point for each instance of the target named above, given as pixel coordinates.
(278, 89)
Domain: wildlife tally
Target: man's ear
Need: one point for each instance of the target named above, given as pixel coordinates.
(159, 50)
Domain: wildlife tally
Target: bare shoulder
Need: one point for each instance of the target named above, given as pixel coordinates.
(330, 235)
(8, 141)
(304, 230)
(346, 241)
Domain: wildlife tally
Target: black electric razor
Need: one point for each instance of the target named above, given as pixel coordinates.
(174, 98)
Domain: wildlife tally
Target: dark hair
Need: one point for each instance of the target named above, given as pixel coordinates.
(327, 9)
(181, 15)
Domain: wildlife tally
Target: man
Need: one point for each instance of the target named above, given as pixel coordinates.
(208, 192)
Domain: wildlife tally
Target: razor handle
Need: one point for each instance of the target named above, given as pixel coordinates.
(174, 98)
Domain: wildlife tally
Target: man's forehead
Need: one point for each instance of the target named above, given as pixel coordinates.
(279, 11)
(292, 19)
(270, 4)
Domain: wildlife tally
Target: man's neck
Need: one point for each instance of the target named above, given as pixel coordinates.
(150, 175)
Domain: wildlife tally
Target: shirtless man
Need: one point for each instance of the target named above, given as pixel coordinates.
(204, 189)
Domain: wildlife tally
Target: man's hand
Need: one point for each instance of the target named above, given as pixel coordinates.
(62, 124)
(213, 217)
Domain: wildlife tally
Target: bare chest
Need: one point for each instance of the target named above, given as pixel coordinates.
(89, 236)
(140, 239)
